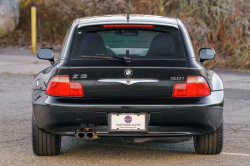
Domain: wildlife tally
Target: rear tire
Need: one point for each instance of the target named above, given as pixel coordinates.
(210, 143)
(43, 143)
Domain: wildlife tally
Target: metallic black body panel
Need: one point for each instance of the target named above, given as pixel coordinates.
(59, 68)
(186, 40)
(69, 41)
(161, 70)
(121, 19)
(194, 116)
(172, 63)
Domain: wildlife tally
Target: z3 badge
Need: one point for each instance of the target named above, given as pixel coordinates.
(79, 76)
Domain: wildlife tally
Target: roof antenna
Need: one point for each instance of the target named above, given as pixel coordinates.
(128, 16)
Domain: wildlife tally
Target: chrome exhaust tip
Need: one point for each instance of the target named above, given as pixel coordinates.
(90, 134)
(81, 133)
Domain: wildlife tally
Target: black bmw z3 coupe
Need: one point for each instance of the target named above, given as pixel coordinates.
(131, 77)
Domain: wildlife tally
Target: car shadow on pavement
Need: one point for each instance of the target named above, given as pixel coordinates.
(117, 150)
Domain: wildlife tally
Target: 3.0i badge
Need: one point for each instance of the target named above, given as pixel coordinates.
(128, 72)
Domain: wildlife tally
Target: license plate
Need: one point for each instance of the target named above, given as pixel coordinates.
(128, 122)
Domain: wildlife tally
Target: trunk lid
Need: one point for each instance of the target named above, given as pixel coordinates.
(107, 78)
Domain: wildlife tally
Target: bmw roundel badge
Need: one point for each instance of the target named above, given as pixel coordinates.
(128, 72)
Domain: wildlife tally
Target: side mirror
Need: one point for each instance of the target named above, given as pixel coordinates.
(206, 54)
(47, 54)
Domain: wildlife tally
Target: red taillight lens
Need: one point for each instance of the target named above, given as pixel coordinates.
(195, 86)
(125, 25)
(61, 86)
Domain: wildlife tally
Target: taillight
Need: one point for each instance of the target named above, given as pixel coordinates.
(127, 26)
(195, 86)
(61, 86)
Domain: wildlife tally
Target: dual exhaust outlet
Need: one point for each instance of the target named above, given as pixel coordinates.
(87, 134)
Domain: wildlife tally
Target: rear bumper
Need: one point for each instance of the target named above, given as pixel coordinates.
(167, 118)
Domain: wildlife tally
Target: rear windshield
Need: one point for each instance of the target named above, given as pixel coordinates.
(135, 43)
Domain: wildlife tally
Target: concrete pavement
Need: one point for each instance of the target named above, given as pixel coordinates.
(21, 61)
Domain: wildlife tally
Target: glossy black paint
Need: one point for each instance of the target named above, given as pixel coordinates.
(193, 116)
(186, 40)
(105, 69)
(168, 116)
(69, 41)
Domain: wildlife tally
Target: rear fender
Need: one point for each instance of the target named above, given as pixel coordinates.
(195, 69)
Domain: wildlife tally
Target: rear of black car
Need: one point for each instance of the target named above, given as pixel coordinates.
(131, 81)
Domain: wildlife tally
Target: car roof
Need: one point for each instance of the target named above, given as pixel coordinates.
(122, 19)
